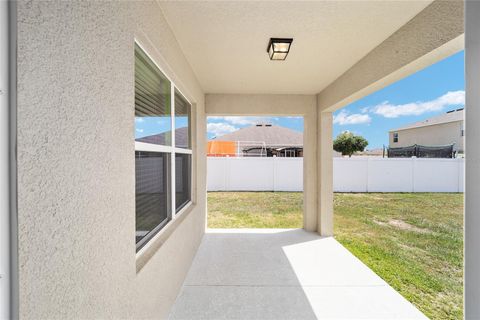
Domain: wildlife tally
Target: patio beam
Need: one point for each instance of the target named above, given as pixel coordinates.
(435, 33)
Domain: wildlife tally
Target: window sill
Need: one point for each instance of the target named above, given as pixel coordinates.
(151, 247)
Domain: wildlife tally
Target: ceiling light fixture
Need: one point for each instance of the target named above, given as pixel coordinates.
(278, 48)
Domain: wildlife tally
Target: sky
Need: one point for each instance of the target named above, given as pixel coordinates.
(218, 126)
(148, 126)
(429, 92)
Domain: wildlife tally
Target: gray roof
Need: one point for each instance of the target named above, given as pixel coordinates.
(270, 134)
(181, 138)
(451, 116)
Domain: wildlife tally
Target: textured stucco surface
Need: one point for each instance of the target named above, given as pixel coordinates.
(76, 187)
(226, 41)
(280, 105)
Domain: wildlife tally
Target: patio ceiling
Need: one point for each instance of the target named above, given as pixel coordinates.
(225, 42)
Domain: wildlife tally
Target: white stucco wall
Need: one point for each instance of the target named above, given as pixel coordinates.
(440, 134)
(76, 182)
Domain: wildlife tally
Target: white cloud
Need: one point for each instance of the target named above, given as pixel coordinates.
(388, 110)
(365, 109)
(344, 118)
(139, 130)
(139, 119)
(220, 128)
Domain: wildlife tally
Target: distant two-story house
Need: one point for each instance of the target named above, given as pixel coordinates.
(444, 129)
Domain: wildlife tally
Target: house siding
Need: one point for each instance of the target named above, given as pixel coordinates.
(76, 182)
(439, 134)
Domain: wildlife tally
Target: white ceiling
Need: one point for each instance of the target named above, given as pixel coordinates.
(226, 42)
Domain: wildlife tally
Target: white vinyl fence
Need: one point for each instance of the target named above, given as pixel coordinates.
(357, 174)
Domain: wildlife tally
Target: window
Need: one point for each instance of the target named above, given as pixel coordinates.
(183, 157)
(182, 122)
(395, 137)
(152, 194)
(182, 180)
(162, 155)
(462, 131)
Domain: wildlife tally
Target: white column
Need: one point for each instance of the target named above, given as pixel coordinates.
(310, 144)
(472, 161)
(4, 165)
(325, 174)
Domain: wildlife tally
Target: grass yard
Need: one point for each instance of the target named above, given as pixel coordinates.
(414, 241)
(255, 209)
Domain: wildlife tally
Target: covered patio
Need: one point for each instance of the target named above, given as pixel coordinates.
(68, 215)
(283, 274)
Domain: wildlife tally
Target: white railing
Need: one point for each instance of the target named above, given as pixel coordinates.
(356, 174)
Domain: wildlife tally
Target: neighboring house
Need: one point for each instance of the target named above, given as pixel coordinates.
(445, 129)
(182, 138)
(263, 140)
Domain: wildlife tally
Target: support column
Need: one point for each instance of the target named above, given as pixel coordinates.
(310, 216)
(325, 174)
(472, 161)
(5, 276)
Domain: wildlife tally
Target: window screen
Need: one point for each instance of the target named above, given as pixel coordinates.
(182, 179)
(152, 200)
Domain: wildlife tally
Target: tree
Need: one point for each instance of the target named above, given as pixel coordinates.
(347, 143)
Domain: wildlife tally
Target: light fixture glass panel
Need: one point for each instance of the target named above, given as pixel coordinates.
(279, 55)
(270, 52)
(281, 47)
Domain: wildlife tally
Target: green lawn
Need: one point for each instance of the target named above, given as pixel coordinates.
(414, 241)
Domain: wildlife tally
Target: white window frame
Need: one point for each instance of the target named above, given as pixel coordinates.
(172, 150)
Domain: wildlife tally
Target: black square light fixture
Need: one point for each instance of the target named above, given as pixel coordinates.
(278, 48)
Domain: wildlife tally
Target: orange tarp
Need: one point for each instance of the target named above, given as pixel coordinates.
(221, 148)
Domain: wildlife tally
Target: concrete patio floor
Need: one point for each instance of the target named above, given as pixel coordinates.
(283, 274)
